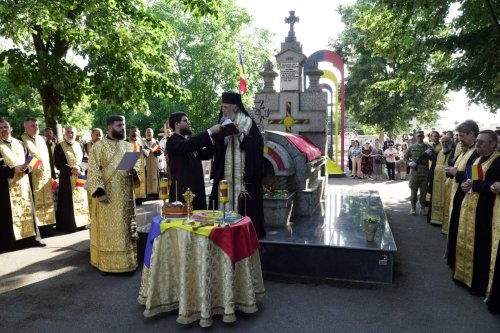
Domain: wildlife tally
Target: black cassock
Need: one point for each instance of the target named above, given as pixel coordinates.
(494, 299)
(455, 213)
(7, 239)
(65, 214)
(186, 171)
(483, 227)
(253, 144)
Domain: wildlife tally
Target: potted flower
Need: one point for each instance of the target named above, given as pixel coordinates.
(278, 206)
(371, 225)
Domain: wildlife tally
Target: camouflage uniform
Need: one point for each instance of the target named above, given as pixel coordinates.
(418, 174)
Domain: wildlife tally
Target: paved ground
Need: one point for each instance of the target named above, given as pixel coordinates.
(55, 290)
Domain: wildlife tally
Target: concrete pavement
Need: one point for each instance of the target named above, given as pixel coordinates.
(54, 289)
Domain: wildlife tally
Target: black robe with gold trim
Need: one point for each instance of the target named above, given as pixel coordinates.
(17, 223)
(456, 203)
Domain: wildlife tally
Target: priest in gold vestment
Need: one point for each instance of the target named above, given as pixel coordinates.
(72, 206)
(138, 145)
(493, 291)
(474, 238)
(16, 219)
(152, 176)
(41, 178)
(440, 189)
(467, 132)
(113, 243)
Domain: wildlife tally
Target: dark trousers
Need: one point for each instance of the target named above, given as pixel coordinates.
(391, 166)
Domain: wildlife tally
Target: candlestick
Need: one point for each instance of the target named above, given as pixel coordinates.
(163, 189)
(188, 197)
(223, 191)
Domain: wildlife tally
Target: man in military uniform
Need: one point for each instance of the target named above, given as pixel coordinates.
(417, 158)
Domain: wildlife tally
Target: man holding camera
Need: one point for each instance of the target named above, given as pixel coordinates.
(417, 158)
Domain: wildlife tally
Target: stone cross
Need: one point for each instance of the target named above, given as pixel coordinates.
(413, 123)
(288, 121)
(292, 19)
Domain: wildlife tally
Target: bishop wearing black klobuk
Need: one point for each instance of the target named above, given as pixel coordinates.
(239, 159)
(185, 156)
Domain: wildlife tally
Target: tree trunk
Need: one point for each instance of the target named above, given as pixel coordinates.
(51, 102)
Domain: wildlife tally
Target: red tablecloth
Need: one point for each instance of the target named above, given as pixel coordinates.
(238, 241)
(304, 145)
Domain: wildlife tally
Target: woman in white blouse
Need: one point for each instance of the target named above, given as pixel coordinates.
(390, 160)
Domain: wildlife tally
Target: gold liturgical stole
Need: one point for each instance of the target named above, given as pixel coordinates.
(21, 204)
(41, 180)
(464, 263)
(495, 241)
(74, 156)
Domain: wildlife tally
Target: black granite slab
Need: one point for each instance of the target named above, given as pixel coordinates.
(332, 242)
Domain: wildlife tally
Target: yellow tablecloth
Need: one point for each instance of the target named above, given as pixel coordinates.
(190, 273)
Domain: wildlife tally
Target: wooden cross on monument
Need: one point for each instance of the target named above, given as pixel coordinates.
(288, 121)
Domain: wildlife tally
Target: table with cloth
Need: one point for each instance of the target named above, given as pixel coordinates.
(202, 272)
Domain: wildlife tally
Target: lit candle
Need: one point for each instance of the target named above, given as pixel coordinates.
(223, 191)
(164, 188)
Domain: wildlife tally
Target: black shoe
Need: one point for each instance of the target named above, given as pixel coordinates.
(40, 243)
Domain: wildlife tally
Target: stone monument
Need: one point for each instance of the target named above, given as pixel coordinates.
(295, 126)
(293, 110)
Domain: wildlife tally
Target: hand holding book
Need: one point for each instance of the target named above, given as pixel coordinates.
(229, 128)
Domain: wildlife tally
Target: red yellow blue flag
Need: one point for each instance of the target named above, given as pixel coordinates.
(81, 180)
(155, 147)
(474, 172)
(137, 147)
(33, 162)
(243, 82)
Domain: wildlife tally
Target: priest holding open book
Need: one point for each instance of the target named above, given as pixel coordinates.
(238, 158)
(111, 176)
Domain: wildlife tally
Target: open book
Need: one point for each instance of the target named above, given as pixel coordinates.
(228, 129)
(128, 161)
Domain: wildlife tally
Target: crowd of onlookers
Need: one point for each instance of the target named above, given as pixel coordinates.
(376, 161)
(456, 180)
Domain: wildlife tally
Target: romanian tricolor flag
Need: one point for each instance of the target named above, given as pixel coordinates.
(81, 180)
(137, 147)
(33, 162)
(55, 184)
(155, 147)
(243, 82)
(474, 172)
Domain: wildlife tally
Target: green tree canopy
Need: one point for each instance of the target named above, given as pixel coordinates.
(120, 44)
(455, 43)
(205, 60)
(384, 91)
